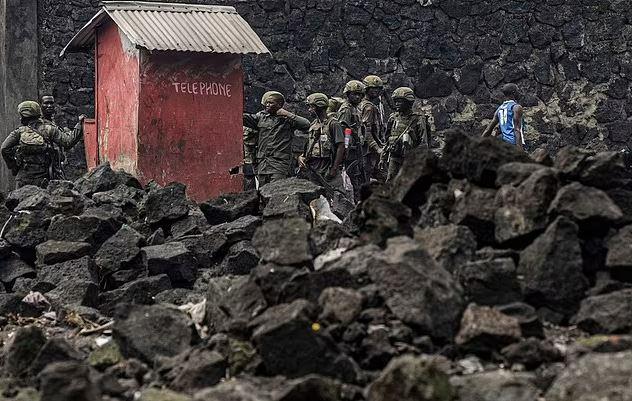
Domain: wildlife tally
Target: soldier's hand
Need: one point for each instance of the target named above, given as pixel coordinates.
(302, 161)
(82, 117)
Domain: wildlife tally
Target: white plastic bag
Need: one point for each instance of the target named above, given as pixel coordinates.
(346, 184)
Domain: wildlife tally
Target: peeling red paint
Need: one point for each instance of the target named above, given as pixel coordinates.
(169, 116)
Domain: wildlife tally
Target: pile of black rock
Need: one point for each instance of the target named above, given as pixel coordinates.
(483, 275)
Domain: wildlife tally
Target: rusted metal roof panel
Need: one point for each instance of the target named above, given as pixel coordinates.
(177, 27)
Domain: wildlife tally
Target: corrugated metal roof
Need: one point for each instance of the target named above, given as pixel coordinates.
(178, 27)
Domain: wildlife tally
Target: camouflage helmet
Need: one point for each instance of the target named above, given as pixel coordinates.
(353, 86)
(318, 100)
(29, 109)
(404, 93)
(334, 104)
(266, 95)
(373, 81)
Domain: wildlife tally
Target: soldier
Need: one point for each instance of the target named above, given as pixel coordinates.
(275, 127)
(49, 109)
(372, 115)
(250, 162)
(349, 118)
(509, 116)
(29, 150)
(405, 130)
(324, 151)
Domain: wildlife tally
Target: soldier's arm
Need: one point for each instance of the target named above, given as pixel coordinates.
(345, 118)
(518, 127)
(251, 120)
(368, 121)
(8, 150)
(339, 146)
(67, 139)
(298, 122)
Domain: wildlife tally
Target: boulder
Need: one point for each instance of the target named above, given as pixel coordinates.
(13, 268)
(531, 353)
(451, 246)
(474, 207)
(78, 269)
(93, 228)
(179, 296)
(326, 236)
(102, 179)
(590, 207)
(477, 159)
(415, 177)
(241, 259)
(341, 305)
(619, 257)
(383, 218)
(490, 282)
(485, 330)
(241, 229)
(515, 173)
(605, 170)
(192, 224)
(412, 378)
(195, 369)
(552, 268)
(594, 377)
(291, 344)
(164, 205)
(27, 230)
(305, 189)
(232, 302)
(523, 210)
(15, 197)
(51, 252)
(172, 332)
(415, 289)
(63, 381)
(499, 385)
(120, 252)
(229, 207)
(75, 292)
(287, 206)
(606, 314)
(54, 350)
(12, 304)
(172, 259)
(141, 291)
(22, 349)
(285, 242)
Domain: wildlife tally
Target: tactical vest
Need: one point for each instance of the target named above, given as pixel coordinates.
(320, 143)
(412, 124)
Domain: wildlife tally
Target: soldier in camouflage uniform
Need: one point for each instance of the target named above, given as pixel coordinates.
(372, 116)
(29, 151)
(275, 127)
(324, 152)
(49, 109)
(349, 118)
(405, 131)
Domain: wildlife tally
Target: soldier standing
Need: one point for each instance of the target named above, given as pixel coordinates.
(49, 109)
(324, 151)
(29, 151)
(372, 116)
(349, 118)
(509, 116)
(275, 127)
(405, 130)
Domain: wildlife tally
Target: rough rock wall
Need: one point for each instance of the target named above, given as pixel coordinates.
(571, 58)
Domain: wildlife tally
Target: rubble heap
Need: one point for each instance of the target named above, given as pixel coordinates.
(482, 275)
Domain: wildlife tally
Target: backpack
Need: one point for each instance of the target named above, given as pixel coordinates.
(33, 147)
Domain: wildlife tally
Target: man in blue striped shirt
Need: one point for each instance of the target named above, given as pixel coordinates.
(509, 117)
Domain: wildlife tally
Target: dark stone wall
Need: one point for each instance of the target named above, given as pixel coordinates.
(571, 58)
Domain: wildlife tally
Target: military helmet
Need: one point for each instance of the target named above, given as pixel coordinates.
(404, 93)
(353, 86)
(373, 81)
(29, 109)
(334, 104)
(318, 100)
(272, 93)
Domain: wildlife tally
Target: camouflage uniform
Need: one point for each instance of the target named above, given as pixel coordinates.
(30, 150)
(349, 118)
(274, 142)
(250, 162)
(401, 126)
(372, 116)
(334, 106)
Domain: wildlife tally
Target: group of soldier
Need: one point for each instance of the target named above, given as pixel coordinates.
(348, 137)
(34, 152)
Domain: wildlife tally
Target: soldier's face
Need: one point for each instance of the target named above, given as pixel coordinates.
(402, 104)
(48, 105)
(373, 93)
(354, 97)
(273, 105)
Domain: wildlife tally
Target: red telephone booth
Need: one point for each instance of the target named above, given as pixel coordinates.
(169, 92)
